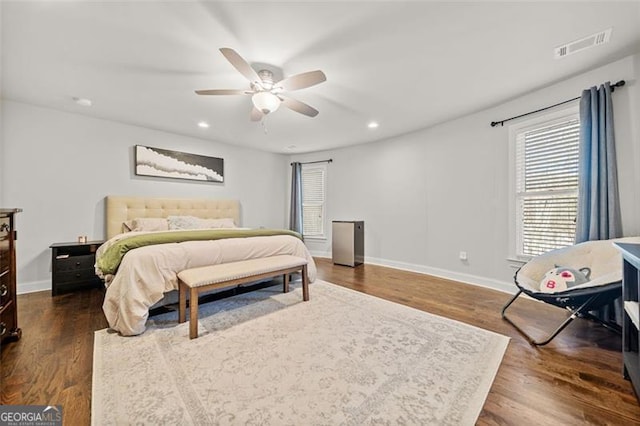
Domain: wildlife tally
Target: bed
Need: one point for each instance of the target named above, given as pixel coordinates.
(148, 259)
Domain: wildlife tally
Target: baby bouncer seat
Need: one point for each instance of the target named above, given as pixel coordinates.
(580, 278)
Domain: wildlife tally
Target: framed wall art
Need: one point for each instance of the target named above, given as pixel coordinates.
(178, 165)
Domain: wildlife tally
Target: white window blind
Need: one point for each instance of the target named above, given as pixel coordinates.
(313, 200)
(547, 185)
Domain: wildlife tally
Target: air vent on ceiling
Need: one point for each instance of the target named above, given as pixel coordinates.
(582, 44)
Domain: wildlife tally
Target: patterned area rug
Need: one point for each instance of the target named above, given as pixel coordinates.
(267, 358)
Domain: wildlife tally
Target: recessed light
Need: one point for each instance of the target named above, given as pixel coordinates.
(203, 125)
(373, 125)
(83, 101)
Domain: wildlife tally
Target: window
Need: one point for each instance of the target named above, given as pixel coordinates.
(313, 200)
(546, 183)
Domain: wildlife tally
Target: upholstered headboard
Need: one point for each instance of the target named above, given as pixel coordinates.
(120, 209)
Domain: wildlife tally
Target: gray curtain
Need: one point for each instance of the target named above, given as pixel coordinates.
(295, 215)
(598, 202)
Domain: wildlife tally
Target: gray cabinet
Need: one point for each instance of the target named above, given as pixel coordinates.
(631, 313)
(347, 242)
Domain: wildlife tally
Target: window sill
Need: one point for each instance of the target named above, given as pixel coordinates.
(314, 238)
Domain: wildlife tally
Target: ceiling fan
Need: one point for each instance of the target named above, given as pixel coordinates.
(266, 94)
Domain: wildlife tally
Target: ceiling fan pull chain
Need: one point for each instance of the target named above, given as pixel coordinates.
(262, 122)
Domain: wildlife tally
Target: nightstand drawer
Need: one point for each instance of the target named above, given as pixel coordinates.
(74, 276)
(74, 263)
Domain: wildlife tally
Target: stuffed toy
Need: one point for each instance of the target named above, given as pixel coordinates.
(561, 279)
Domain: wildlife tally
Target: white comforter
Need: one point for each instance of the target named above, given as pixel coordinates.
(146, 273)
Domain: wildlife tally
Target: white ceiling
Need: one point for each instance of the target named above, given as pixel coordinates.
(407, 65)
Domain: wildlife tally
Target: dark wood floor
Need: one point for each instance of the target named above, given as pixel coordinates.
(575, 380)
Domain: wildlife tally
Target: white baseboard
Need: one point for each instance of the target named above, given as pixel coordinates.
(503, 286)
(45, 285)
(33, 286)
(326, 255)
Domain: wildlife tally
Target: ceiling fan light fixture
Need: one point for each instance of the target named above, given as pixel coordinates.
(266, 102)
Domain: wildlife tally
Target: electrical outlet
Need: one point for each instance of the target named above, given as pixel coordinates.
(463, 255)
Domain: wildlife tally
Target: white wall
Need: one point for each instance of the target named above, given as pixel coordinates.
(2, 204)
(428, 195)
(58, 167)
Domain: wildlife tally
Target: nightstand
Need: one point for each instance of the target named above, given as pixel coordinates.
(72, 266)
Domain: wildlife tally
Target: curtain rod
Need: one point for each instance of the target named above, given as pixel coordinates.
(501, 122)
(330, 160)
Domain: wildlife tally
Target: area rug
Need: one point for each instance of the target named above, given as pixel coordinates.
(267, 358)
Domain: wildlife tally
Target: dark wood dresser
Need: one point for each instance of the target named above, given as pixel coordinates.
(72, 266)
(8, 307)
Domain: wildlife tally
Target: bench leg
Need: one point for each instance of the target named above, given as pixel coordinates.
(305, 284)
(182, 310)
(285, 286)
(193, 313)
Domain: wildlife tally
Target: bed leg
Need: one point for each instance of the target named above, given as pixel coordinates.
(285, 286)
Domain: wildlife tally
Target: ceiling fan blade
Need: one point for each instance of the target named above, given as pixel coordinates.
(240, 64)
(256, 114)
(298, 106)
(223, 92)
(300, 81)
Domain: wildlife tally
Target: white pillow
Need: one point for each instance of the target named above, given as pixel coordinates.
(226, 222)
(192, 222)
(149, 224)
(184, 222)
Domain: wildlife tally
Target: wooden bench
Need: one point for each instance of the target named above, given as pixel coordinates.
(198, 280)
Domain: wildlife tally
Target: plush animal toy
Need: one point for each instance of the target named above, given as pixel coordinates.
(561, 279)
